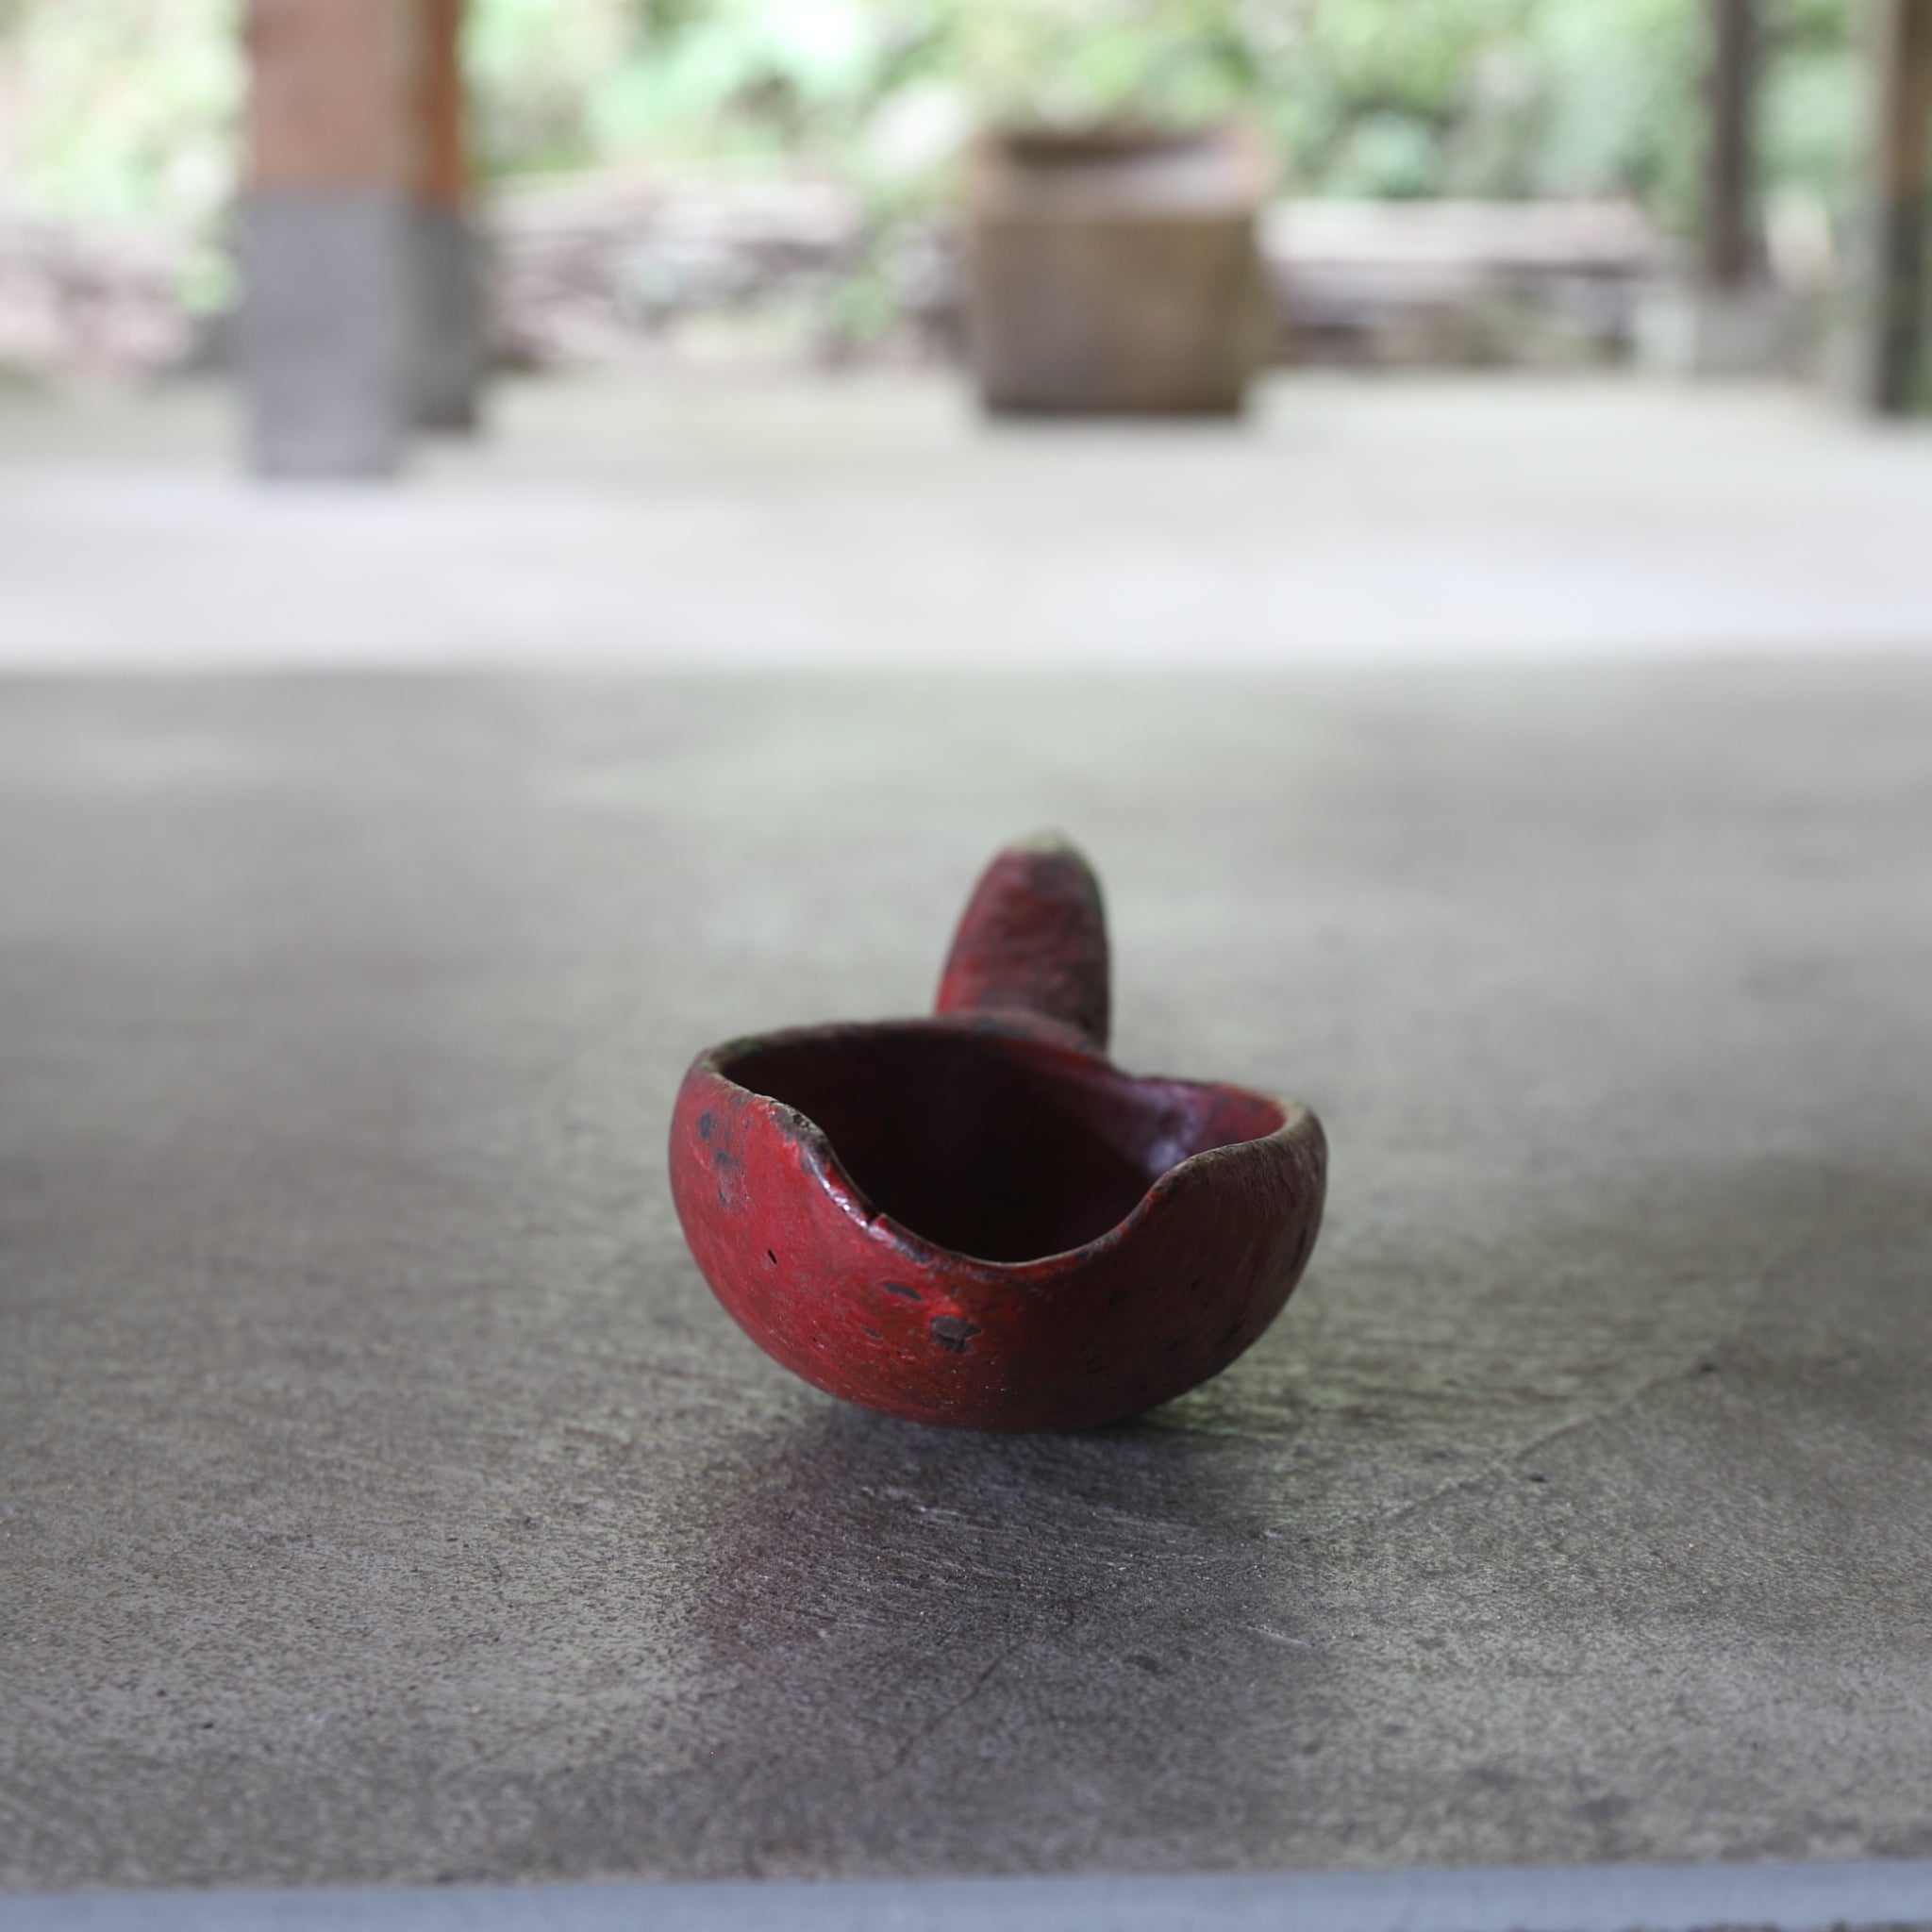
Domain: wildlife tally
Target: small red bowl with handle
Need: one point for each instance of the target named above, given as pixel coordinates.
(978, 1219)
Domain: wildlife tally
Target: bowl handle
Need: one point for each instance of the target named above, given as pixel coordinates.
(1033, 939)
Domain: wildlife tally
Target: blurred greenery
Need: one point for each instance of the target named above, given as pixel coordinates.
(126, 110)
(1371, 97)
(118, 110)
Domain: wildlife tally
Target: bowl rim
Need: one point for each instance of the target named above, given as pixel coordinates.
(1299, 1126)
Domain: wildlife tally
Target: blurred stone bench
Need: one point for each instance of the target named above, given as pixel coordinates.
(603, 268)
(1457, 282)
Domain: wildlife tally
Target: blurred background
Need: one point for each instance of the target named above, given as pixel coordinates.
(1514, 286)
(1479, 181)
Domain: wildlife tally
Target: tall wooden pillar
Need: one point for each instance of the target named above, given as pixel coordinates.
(327, 299)
(1892, 375)
(360, 310)
(1732, 249)
(1728, 319)
(449, 332)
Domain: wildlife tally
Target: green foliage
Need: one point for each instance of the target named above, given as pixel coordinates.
(126, 109)
(120, 110)
(1374, 97)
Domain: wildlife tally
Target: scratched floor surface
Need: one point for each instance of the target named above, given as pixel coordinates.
(384, 1497)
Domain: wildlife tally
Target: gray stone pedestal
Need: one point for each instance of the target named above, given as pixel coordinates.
(448, 319)
(327, 331)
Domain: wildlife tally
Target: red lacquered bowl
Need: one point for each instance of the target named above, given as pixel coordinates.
(978, 1219)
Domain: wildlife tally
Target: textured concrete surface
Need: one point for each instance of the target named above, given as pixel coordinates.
(1830, 1895)
(877, 522)
(384, 1498)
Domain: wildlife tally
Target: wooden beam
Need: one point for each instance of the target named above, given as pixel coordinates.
(1893, 376)
(440, 172)
(326, 98)
(1732, 248)
(449, 343)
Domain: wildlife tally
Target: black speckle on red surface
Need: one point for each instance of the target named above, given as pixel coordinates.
(953, 1332)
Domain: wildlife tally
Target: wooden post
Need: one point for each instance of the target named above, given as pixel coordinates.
(328, 296)
(1728, 318)
(1732, 248)
(1892, 378)
(449, 344)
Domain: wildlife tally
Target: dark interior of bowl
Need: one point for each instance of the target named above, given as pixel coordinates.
(989, 1145)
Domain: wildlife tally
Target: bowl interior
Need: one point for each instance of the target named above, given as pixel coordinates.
(1007, 1149)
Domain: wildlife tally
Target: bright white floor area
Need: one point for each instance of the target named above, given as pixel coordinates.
(876, 521)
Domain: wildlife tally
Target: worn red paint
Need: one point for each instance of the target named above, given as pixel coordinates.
(978, 1220)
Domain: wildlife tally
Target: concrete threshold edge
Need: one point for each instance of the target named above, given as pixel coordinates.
(1812, 1897)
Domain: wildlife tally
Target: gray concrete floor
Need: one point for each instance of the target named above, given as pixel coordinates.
(874, 522)
(384, 1497)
